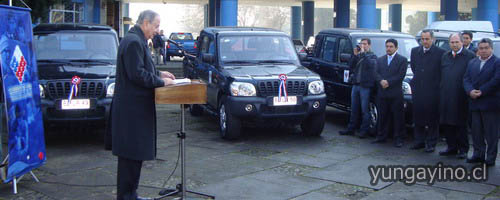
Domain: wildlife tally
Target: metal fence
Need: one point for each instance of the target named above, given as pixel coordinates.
(73, 13)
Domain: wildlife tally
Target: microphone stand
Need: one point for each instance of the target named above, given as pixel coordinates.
(181, 188)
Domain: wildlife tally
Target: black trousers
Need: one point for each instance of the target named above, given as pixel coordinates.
(427, 135)
(485, 126)
(391, 115)
(129, 172)
(456, 137)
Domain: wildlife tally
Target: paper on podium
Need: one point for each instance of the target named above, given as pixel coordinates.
(183, 80)
(185, 92)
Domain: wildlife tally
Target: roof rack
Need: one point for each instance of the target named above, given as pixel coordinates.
(455, 31)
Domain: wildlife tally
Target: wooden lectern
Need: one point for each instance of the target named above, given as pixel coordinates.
(182, 93)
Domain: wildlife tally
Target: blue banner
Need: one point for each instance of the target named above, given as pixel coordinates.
(22, 92)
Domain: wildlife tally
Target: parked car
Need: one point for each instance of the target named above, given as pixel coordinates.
(186, 40)
(331, 54)
(244, 69)
(66, 51)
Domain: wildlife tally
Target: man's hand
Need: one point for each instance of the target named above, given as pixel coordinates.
(384, 84)
(168, 81)
(165, 74)
(474, 94)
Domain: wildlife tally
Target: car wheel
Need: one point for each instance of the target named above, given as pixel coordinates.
(230, 126)
(195, 110)
(313, 125)
(373, 118)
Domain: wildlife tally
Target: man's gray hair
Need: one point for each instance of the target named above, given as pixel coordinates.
(486, 40)
(456, 34)
(148, 15)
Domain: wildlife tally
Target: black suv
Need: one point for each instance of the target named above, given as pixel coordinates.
(245, 71)
(81, 54)
(331, 54)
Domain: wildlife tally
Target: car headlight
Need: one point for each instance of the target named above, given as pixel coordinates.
(42, 93)
(406, 88)
(242, 89)
(316, 87)
(110, 90)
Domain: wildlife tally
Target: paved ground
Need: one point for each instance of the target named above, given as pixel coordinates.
(272, 163)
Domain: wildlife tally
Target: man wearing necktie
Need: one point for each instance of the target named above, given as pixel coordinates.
(390, 72)
(482, 85)
(453, 100)
(426, 67)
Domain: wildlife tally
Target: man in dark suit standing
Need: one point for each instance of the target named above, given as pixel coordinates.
(391, 70)
(426, 67)
(363, 66)
(133, 114)
(482, 84)
(453, 109)
(467, 41)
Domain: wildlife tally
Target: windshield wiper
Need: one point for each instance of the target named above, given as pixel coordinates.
(54, 61)
(275, 62)
(239, 62)
(91, 61)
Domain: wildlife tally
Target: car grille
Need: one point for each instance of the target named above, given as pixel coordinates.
(86, 89)
(293, 88)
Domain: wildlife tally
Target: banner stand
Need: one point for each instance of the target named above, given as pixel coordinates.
(20, 163)
(16, 180)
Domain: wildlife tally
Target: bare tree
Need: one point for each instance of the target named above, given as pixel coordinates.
(192, 20)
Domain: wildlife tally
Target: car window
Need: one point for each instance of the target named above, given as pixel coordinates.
(329, 49)
(181, 36)
(256, 48)
(75, 46)
(443, 44)
(345, 46)
(378, 45)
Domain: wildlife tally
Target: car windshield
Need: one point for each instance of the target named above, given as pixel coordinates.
(75, 46)
(378, 45)
(181, 36)
(257, 48)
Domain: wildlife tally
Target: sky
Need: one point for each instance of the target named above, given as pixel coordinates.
(169, 14)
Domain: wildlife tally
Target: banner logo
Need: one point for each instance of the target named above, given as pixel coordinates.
(18, 64)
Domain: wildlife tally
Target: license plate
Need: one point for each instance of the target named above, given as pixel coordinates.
(75, 104)
(291, 100)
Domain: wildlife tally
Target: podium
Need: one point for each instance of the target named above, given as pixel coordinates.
(182, 93)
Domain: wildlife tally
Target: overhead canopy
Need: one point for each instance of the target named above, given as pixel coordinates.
(414, 5)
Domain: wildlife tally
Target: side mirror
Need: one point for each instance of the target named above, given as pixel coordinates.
(345, 57)
(207, 57)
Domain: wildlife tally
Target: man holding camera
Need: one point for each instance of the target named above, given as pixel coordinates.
(362, 77)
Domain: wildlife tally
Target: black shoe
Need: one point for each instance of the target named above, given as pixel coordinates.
(144, 198)
(398, 144)
(363, 135)
(429, 149)
(378, 141)
(490, 163)
(474, 160)
(417, 146)
(461, 155)
(347, 132)
(448, 152)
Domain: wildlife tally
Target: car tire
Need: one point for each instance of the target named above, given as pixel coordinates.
(195, 110)
(313, 125)
(374, 117)
(229, 125)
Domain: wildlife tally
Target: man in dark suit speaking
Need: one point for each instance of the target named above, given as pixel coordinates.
(133, 113)
(391, 70)
(482, 85)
